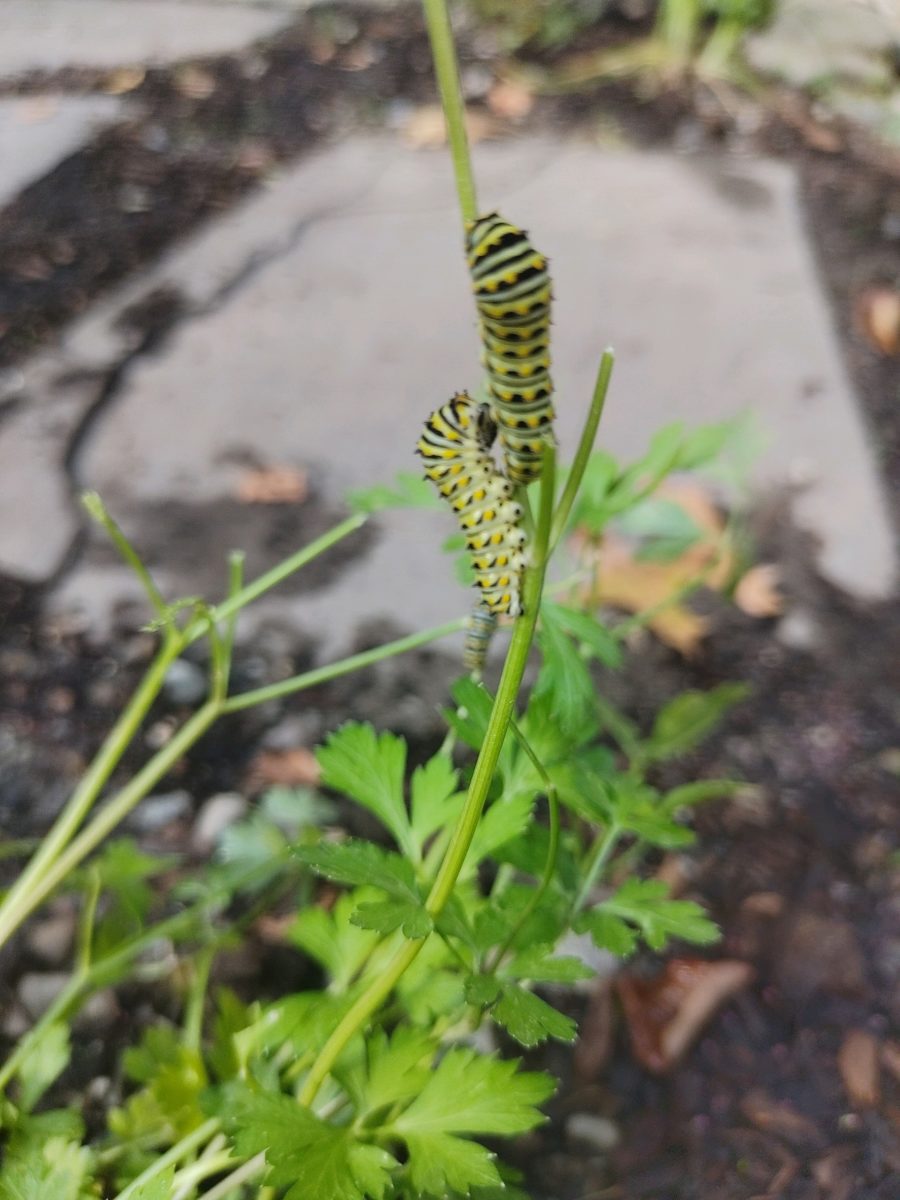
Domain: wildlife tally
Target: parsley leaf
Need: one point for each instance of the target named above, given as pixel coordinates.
(432, 805)
(646, 904)
(529, 1019)
(369, 768)
(362, 864)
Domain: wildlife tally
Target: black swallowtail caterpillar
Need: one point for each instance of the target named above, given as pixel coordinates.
(455, 445)
(513, 292)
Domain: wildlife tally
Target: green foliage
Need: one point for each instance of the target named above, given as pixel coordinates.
(541, 23)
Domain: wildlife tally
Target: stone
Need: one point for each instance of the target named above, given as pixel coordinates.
(319, 357)
(185, 682)
(156, 812)
(599, 1133)
(215, 815)
(38, 990)
(51, 938)
(37, 132)
(55, 34)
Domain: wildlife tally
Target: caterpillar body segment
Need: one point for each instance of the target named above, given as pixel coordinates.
(479, 631)
(513, 294)
(455, 447)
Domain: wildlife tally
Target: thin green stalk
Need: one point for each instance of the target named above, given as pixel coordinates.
(193, 1016)
(597, 860)
(180, 1150)
(95, 507)
(115, 810)
(247, 1171)
(585, 446)
(552, 853)
(678, 25)
(498, 724)
(297, 683)
(19, 901)
(443, 52)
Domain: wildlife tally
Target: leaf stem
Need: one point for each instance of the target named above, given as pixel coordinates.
(94, 506)
(585, 446)
(297, 683)
(179, 1151)
(446, 69)
(597, 860)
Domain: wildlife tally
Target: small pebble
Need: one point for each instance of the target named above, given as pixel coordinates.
(156, 812)
(216, 814)
(51, 939)
(186, 683)
(38, 990)
(798, 630)
(597, 1132)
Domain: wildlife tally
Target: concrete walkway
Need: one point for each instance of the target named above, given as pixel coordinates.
(326, 316)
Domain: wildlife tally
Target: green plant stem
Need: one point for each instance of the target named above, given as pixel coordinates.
(366, 658)
(180, 1150)
(244, 1173)
(678, 25)
(193, 1016)
(498, 724)
(19, 901)
(443, 52)
(597, 860)
(585, 447)
(721, 47)
(94, 506)
(552, 854)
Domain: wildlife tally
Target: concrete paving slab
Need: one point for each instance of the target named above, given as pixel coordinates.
(332, 352)
(47, 35)
(36, 132)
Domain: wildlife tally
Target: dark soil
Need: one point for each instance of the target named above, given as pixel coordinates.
(801, 871)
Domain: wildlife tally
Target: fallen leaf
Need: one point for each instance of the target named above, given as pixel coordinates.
(194, 82)
(763, 904)
(284, 768)
(274, 930)
(510, 100)
(890, 1058)
(858, 1064)
(757, 592)
(425, 129)
(878, 318)
(665, 1015)
(779, 1117)
(124, 79)
(273, 485)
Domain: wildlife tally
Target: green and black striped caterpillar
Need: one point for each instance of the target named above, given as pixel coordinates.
(479, 631)
(513, 293)
(455, 446)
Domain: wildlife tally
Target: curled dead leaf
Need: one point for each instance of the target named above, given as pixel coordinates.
(124, 80)
(858, 1064)
(757, 592)
(425, 129)
(283, 768)
(512, 101)
(665, 1015)
(878, 318)
(273, 485)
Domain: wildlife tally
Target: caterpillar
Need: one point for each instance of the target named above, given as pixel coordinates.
(455, 446)
(513, 293)
(479, 631)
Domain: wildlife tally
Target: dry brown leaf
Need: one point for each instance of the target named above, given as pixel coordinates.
(510, 100)
(757, 592)
(775, 1116)
(858, 1064)
(878, 317)
(123, 80)
(195, 83)
(273, 485)
(425, 129)
(274, 930)
(283, 768)
(890, 1057)
(665, 1015)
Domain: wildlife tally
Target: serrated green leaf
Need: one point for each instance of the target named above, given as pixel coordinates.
(608, 932)
(291, 809)
(476, 1094)
(362, 864)
(454, 922)
(638, 809)
(388, 915)
(482, 990)
(473, 709)
(333, 941)
(646, 903)
(439, 1161)
(504, 820)
(369, 768)
(433, 790)
(55, 1168)
(587, 630)
(539, 965)
(563, 679)
(312, 1159)
(529, 1019)
(409, 491)
(42, 1063)
(159, 1188)
(686, 720)
(690, 794)
(397, 1066)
